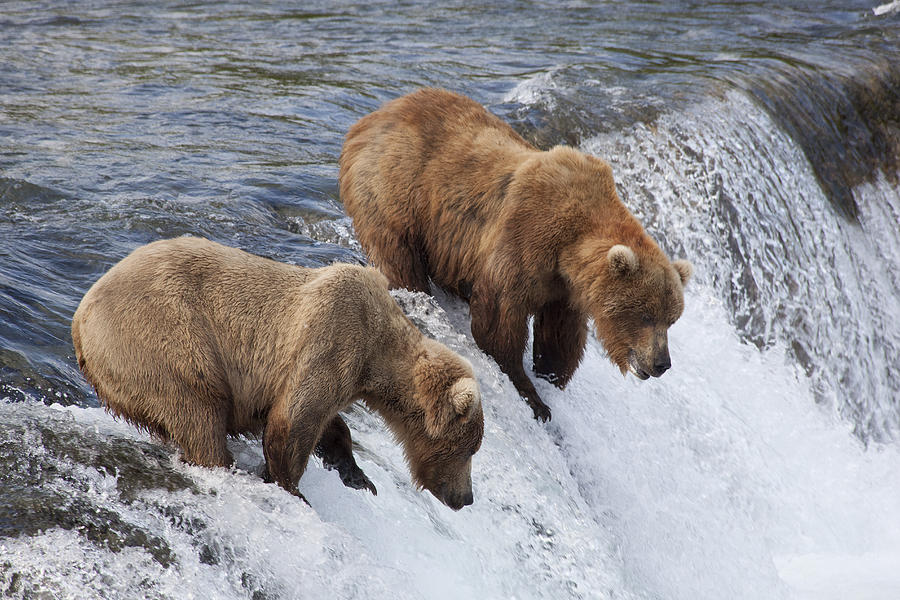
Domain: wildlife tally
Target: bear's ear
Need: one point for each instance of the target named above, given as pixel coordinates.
(684, 270)
(622, 260)
(461, 402)
(465, 398)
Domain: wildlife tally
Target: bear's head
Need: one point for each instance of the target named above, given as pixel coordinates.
(634, 299)
(447, 427)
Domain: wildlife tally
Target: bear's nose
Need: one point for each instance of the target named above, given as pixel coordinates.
(662, 365)
(457, 501)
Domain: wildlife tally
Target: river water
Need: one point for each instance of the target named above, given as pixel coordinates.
(760, 140)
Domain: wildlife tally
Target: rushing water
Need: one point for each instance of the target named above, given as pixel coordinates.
(761, 140)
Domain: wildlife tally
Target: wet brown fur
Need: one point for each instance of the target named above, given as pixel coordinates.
(195, 341)
(439, 188)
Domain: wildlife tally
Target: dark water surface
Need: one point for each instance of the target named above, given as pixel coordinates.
(761, 140)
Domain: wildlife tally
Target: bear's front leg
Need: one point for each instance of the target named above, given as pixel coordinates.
(288, 440)
(500, 328)
(335, 448)
(560, 334)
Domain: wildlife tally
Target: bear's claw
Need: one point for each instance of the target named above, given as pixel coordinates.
(541, 410)
(267, 478)
(357, 480)
(351, 475)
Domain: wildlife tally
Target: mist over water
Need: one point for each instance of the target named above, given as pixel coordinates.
(759, 141)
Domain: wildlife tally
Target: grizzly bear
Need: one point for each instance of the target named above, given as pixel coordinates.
(193, 341)
(440, 188)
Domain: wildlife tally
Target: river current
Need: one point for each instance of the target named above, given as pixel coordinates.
(760, 140)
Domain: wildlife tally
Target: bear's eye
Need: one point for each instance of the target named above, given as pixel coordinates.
(647, 319)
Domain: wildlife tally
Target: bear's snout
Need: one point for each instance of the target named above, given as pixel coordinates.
(642, 370)
(455, 493)
(661, 363)
(457, 500)
(649, 357)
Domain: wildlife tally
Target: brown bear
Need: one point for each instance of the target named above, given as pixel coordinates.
(440, 188)
(193, 340)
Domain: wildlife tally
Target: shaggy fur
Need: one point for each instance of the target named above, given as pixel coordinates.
(439, 188)
(194, 341)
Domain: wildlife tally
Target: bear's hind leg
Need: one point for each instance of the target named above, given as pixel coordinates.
(200, 430)
(560, 334)
(401, 261)
(335, 448)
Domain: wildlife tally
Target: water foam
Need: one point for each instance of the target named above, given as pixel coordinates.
(534, 90)
(723, 474)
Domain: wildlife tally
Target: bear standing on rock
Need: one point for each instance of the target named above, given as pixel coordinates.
(194, 341)
(440, 188)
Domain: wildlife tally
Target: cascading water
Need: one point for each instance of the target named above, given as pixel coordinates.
(759, 485)
(723, 184)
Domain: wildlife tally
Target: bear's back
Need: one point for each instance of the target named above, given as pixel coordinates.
(187, 280)
(189, 309)
(347, 311)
